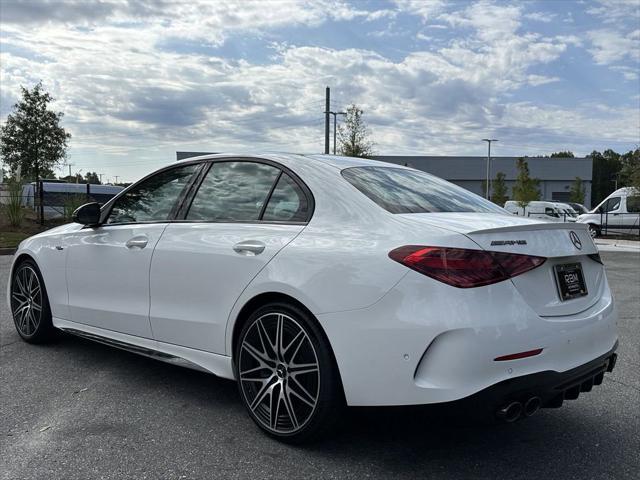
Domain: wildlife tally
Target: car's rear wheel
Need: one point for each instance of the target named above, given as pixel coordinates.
(30, 304)
(286, 374)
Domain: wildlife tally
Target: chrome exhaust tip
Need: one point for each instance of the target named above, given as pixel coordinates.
(510, 412)
(531, 406)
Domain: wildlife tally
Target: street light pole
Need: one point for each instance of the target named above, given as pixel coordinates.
(489, 140)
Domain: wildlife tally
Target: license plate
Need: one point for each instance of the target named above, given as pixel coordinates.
(570, 280)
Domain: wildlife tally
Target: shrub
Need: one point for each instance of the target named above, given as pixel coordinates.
(71, 202)
(15, 212)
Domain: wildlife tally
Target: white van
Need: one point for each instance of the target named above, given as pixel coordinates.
(619, 213)
(567, 211)
(548, 211)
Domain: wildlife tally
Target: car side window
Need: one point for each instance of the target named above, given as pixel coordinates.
(551, 212)
(153, 199)
(633, 204)
(288, 202)
(233, 192)
(612, 204)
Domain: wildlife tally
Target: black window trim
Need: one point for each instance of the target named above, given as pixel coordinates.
(183, 205)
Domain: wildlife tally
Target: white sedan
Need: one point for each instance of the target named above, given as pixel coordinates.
(320, 281)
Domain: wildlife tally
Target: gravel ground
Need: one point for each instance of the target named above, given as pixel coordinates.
(81, 410)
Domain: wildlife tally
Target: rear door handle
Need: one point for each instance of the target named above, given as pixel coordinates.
(249, 247)
(139, 241)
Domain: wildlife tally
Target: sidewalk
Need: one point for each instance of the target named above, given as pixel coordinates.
(613, 245)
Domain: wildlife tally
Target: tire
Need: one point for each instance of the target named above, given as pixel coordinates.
(291, 388)
(594, 230)
(30, 304)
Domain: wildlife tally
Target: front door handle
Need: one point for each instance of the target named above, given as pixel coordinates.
(249, 247)
(139, 241)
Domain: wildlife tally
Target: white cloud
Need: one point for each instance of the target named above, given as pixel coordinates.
(427, 9)
(125, 94)
(543, 17)
(615, 11)
(609, 46)
(628, 73)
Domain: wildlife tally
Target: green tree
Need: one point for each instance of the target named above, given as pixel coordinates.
(630, 171)
(563, 154)
(606, 169)
(32, 137)
(499, 195)
(525, 189)
(92, 177)
(577, 191)
(354, 135)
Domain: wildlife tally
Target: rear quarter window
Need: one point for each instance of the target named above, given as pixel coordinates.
(401, 190)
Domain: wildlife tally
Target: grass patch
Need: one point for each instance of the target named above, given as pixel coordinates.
(12, 239)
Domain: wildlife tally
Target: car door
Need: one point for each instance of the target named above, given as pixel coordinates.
(612, 215)
(242, 215)
(108, 266)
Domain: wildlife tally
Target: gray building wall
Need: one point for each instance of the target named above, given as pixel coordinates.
(555, 174)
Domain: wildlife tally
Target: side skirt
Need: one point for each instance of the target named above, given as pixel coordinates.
(219, 365)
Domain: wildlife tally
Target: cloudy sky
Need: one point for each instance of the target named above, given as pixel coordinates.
(139, 80)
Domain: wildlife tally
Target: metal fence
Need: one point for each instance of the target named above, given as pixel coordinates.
(620, 223)
(51, 206)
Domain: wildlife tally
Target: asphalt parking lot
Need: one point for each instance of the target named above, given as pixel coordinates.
(77, 409)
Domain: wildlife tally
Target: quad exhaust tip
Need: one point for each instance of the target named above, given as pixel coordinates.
(514, 410)
(510, 412)
(531, 406)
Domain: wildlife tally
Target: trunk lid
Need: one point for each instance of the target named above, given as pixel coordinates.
(560, 243)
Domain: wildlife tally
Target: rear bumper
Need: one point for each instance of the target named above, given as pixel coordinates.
(553, 388)
(425, 342)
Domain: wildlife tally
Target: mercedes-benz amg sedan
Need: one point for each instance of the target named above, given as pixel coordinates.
(315, 281)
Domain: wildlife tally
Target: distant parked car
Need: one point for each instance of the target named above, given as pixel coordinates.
(578, 207)
(543, 210)
(567, 213)
(619, 213)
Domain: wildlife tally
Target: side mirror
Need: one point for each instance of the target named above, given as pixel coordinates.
(87, 214)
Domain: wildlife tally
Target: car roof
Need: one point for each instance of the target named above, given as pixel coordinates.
(291, 159)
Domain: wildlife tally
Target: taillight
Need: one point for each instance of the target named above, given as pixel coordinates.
(464, 268)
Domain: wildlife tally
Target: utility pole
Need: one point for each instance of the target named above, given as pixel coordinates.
(335, 115)
(116, 182)
(70, 165)
(327, 112)
(489, 140)
(100, 175)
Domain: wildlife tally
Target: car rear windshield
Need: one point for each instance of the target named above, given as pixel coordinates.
(401, 190)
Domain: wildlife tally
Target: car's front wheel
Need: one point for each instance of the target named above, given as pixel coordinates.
(30, 304)
(594, 230)
(286, 374)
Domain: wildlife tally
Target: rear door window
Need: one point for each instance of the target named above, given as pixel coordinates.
(233, 192)
(400, 190)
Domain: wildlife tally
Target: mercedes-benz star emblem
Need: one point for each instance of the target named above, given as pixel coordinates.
(575, 240)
